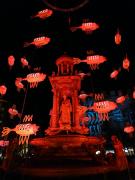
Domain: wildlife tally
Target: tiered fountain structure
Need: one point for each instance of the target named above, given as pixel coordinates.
(65, 137)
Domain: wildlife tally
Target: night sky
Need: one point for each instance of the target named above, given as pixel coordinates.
(17, 27)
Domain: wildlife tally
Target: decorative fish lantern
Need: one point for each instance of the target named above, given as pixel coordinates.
(94, 61)
(115, 73)
(3, 90)
(117, 38)
(43, 14)
(129, 129)
(24, 130)
(126, 63)
(35, 78)
(11, 61)
(102, 108)
(19, 84)
(38, 42)
(120, 99)
(87, 27)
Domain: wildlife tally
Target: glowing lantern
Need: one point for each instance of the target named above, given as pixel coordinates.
(3, 90)
(24, 130)
(35, 78)
(120, 99)
(117, 38)
(43, 14)
(94, 61)
(129, 129)
(11, 61)
(38, 42)
(87, 27)
(19, 84)
(24, 62)
(115, 73)
(126, 63)
(102, 108)
(13, 111)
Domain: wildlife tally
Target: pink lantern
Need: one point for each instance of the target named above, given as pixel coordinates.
(3, 90)
(11, 61)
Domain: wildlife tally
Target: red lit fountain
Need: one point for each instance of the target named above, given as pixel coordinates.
(65, 138)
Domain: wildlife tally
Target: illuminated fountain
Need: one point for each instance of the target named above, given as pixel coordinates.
(65, 137)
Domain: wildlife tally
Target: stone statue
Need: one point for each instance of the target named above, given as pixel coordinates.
(65, 113)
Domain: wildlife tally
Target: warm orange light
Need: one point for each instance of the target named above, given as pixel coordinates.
(24, 62)
(35, 78)
(117, 37)
(129, 129)
(94, 61)
(11, 60)
(120, 99)
(114, 74)
(19, 84)
(3, 90)
(126, 63)
(39, 42)
(44, 14)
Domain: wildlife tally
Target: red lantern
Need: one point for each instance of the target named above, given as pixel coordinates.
(35, 78)
(13, 111)
(120, 99)
(11, 60)
(129, 129)
(3, 90)
(43, 14)
(102, 108)
(126, 63)
(24, 62)
(94, 61)
(117, 37)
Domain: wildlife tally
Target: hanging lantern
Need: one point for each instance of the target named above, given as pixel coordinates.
(117, 38)
(102, 108)
(3, 90)
(24, 62)
(35, 78)
(11, 61)
(24, 130)
(19, 84)
(126, 63)
(13, 111)
(129, 130)
(120, 99)
(94, 61)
